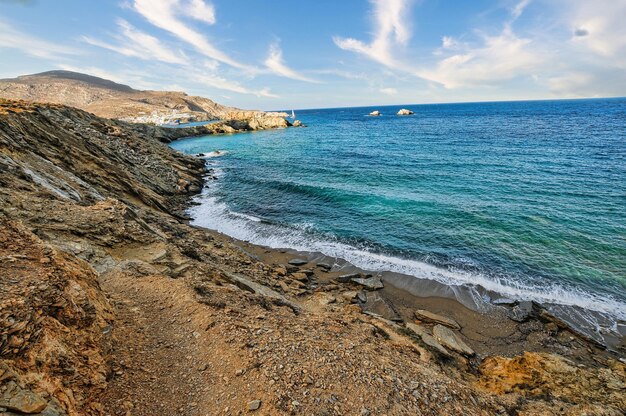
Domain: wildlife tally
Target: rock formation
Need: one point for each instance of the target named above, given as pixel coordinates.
(405, 112)
(375, 113)
(108, 99)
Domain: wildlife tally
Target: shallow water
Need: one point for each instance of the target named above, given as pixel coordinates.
(527, 199)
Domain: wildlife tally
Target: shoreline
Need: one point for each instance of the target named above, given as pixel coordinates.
(488, 328)
(582, 322)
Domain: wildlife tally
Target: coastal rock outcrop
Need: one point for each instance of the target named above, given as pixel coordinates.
(256, 120)
(405, 112)
(375, 113)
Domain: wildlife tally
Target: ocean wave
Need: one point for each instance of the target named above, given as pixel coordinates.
(213, 214)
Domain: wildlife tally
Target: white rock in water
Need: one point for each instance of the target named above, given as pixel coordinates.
(405, 112)
(375, 113)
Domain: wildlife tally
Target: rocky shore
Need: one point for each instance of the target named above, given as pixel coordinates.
(112, 304)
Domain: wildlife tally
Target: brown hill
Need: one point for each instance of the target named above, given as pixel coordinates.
(109, 99)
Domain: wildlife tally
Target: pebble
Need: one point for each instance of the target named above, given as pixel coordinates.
(254, 405)
(297, 262)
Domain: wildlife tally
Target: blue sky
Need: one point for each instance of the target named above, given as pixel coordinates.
(310, 54)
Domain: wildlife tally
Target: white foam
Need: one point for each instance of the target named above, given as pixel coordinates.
(210, 155)
(215, 215)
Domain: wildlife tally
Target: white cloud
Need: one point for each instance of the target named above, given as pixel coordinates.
(164, 15)
(200, 10)
(448, 42)
(498, 58)
(600, 26)
(389, 91)
(391, 29)
(139, 45)
(343, 74)
(494, 59)
(13, 38)
(276, 64)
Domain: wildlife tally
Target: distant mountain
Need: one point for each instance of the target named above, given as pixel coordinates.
(109, 99)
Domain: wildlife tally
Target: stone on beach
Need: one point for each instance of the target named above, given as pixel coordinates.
(254, 405)
(370, 283)
(427, 316)
(450, 339)
(405, 112)
(324, 266)
(297, 262)
(378, 305)
(524, 311)
(428, 339)
(345, 278)
(504, 302)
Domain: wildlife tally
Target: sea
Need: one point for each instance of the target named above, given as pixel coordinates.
(524, 199)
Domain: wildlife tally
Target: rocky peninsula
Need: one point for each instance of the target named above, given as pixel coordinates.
(109, 99)
(112, 304)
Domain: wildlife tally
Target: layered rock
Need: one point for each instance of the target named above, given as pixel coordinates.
(108, 99)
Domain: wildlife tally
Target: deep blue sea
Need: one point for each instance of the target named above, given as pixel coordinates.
(524, 198)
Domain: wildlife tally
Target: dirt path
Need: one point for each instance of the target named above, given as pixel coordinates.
(165, 361)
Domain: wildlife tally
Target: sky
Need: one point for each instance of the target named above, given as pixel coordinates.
(327, 53)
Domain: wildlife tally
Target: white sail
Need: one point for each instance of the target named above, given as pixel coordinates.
(293, 115)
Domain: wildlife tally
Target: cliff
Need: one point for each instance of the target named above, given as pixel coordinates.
(110, 303)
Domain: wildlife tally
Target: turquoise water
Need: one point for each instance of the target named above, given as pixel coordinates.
(524, 198)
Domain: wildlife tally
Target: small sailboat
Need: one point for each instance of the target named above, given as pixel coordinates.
(293, 115)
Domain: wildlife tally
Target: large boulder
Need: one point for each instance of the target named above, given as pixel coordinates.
(375, 113)
(405, 112)
(450, 339)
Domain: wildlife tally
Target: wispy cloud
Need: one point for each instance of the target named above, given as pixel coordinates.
(164, 14)
(12, 38)
(216, 81)
(277, 65)
(391, 29)
(518, 9)
(134, 43)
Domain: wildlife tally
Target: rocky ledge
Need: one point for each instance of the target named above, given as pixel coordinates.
(111, 304)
